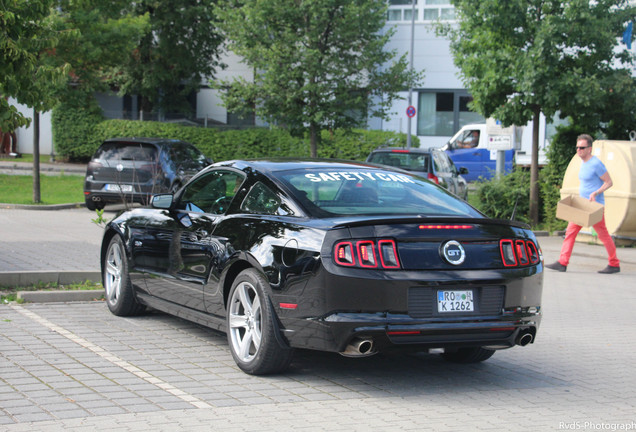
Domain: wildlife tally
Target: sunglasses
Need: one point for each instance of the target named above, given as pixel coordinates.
(581, 148)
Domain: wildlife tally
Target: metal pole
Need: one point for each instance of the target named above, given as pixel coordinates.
(410, 101)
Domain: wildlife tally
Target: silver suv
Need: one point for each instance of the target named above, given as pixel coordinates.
(432, 164)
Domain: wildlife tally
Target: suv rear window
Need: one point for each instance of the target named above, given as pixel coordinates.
(126, 151)
(407, 161)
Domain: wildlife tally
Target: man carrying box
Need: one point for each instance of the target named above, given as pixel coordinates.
(594, 180)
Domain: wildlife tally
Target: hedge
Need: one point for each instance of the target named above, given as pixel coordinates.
(217, 144)
(73, 129)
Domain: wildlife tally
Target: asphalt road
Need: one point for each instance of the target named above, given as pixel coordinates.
(76, 367)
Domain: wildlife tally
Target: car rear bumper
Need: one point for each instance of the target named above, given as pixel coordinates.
(117, 197)
(339, 330)
(141, 193)
(405, 311)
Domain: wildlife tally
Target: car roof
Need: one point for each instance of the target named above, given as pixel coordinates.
(287, 164)
(403, 150)
(143, 140)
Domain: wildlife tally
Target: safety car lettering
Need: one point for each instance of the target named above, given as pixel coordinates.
(358, 176)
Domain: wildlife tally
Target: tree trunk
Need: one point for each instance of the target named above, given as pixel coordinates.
(534, 170)
(313, 133)
(36, 156)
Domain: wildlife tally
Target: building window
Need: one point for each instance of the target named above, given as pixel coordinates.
(466, 116)
(394, 15)
(447, 14)
(443, 113)
(438, 9)
(432, 10)
(401, 10)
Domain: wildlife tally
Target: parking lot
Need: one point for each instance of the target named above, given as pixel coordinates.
(74, 366)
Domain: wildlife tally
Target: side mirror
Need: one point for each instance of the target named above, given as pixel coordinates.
(463, 170)
(161, 201)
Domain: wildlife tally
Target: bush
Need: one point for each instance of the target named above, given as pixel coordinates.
(78, 131)
(499, 197)
(73, 123)
(357, 144)
(79, 142)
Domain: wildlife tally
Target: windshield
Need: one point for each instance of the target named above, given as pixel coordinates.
(332, 192)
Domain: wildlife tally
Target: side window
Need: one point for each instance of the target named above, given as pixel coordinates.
(184, 154)
(441, 163)
(261, 200)
(453, 169)
(211, 193)
(470, 139)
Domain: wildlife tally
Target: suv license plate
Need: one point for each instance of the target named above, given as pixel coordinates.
(455, 301)
(118, 188)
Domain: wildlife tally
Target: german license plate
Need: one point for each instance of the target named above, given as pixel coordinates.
(118, 188)
(455, 301)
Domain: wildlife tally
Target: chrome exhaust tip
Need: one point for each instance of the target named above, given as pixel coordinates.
(359, 347)
(525, 338)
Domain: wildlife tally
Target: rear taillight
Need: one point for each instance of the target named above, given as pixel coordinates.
(345, 255)
(516, 253)
(432, 177)
(367, 254)
(533, 253)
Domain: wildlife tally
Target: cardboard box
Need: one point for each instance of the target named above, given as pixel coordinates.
(579, 210)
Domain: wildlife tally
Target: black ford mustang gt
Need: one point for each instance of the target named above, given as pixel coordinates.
(327, 255)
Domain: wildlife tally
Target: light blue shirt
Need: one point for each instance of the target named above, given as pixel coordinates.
(590, 177)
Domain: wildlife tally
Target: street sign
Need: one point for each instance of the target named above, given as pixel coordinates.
(500, 142)
(410, 111)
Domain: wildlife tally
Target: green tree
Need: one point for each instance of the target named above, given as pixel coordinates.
(100, 37)
(318, 64)
(521, 58)
(27, 43)
(26, 40)
(180, 49)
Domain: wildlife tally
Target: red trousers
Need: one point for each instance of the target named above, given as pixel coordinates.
(603, 235)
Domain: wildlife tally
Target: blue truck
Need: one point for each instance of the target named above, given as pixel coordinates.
(476, 147)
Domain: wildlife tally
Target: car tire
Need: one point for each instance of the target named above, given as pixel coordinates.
(118, 289)
(251, 327)
(468, 355)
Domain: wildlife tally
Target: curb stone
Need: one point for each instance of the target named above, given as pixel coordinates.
(60, 296)
(42, 207)
(28, 278)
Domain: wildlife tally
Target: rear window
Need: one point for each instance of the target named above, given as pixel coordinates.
(407, 161)
(333, 192)
(123, 152)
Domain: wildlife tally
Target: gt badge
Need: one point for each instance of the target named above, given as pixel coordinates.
(453, 252)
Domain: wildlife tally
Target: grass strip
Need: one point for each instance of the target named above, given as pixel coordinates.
(62, 189)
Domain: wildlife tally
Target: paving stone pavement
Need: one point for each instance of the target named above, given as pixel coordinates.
(76, 367)
(49, 240)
